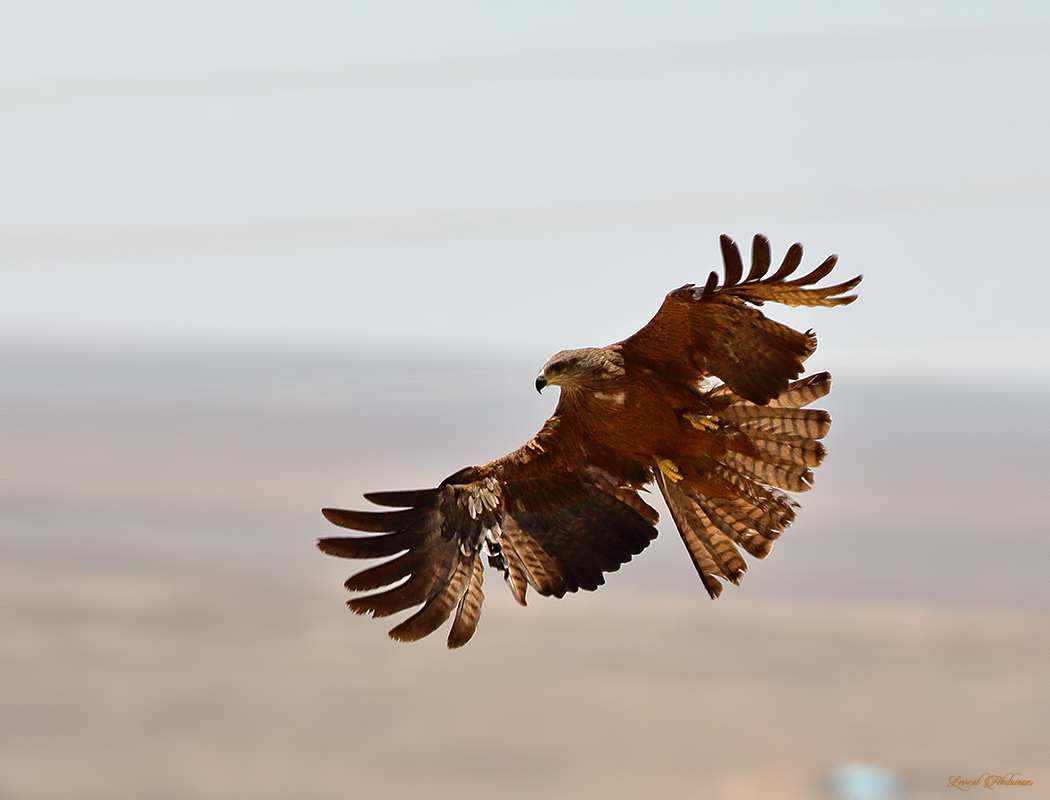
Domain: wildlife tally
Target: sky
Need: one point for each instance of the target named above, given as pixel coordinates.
(522, 177)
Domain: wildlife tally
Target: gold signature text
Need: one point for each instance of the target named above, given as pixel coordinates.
(988, 780)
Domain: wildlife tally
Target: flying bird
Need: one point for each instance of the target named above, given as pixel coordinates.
(705, 401)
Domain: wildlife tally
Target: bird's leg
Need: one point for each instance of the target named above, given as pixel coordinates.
(703, 422)
(669, 468)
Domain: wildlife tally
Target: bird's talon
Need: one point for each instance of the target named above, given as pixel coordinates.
(669, 468)
(703, 422)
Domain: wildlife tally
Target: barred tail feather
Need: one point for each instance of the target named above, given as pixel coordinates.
(712, 551)
(802, 453)
(783, 424)
(780, 446)
(736, 521)
(792, 478)
(802, 393)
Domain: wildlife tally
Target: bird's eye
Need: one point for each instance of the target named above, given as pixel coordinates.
(557, 366)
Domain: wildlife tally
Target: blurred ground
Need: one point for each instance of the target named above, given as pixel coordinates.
(170, 631)
(176, 685)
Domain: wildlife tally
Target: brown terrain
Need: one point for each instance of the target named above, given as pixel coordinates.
(169, 629)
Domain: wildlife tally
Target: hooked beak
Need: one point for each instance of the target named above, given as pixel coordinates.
(540, 383)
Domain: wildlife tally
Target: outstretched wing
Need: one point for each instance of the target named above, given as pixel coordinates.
(716, 330)
(556, 529)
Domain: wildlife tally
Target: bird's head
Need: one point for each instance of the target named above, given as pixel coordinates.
(577, 367)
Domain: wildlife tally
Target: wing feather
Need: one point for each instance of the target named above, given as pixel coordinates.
(419, 588)
(584, 539)
(517, 574)
(369, 546)
(541, 571)
(468, 612)
(371, 521)
(557, 528)
(437, 609)
(791, 262)
(409, 498)
(718, 331)
(760, 258)
(819, 273)
(731, 258)
(386, 573)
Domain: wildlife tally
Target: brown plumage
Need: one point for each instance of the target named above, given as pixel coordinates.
(563, 509)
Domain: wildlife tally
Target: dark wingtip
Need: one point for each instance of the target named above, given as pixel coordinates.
(760, 258)
(370, 521)
(328, 546)
(734, 265)
(408, 498)
(711, 285)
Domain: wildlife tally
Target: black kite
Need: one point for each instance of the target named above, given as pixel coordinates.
(564, 508)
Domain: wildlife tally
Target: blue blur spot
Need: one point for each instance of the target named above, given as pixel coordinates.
(863, 782)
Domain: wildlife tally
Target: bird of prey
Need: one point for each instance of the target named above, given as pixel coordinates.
(705, 401)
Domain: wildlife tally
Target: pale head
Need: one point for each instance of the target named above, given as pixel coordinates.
(587, 365)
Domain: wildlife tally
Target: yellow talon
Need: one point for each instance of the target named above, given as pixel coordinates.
(703, 422)
(669, 468)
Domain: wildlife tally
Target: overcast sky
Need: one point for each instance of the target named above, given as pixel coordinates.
(522, 175)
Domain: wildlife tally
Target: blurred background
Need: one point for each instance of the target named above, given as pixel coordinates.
(259, 258)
